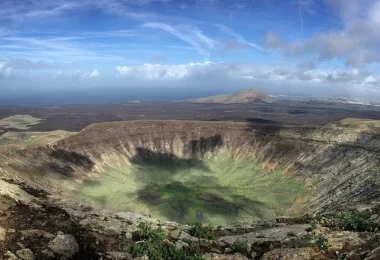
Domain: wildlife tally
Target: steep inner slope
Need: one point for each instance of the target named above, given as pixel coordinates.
(215, 172)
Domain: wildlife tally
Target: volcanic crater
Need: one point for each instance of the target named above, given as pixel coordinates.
(214, 172)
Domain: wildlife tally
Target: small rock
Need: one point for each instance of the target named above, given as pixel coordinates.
(32, 233)
(25, 254)
(2, 213)
(227, 250)
(20, 245)
(180, 235)
(175, 234)
(10, 256)
(236, 256)
(60, 233)
(184, 236)
(49, 254)
(214, 250)
(169, 227)
(166, 242)
(118, 256)
(181, 245)
(3, 234)
(65, 245)
(48, 235)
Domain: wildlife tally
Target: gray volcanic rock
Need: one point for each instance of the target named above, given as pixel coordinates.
(65, 245)
(25, 254)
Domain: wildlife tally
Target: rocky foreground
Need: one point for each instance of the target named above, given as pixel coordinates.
(35, 225)
(337, 216)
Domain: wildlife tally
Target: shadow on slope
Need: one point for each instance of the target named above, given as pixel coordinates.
(164, 161)
(197, 180)
(208, 190)
(197, 148)
(203, 199)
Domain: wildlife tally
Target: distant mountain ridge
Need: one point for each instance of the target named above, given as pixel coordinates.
(242, 97)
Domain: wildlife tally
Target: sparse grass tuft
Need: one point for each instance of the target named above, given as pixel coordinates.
(202, 231)
(358, 222)
(239, 247)
(322, 243)
(154, 244)
(312, 228)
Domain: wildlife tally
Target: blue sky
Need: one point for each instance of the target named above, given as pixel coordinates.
(275, 45)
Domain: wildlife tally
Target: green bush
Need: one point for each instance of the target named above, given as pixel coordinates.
(341, 257)
(239, 247)
(312, 228)
(322, 243)
(197, 229)
(357, 222)
(153, 243)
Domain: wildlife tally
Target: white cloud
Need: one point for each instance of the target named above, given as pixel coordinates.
(246, 71)
(371, 80)
(11, 10)
(63, 48)
(239, 37)
(77, 74)
(94, 74)
(203, 38)
(192, 36)
(356, 43)
(165, 72)
(5, 69)
(3, 64)
(8, 72)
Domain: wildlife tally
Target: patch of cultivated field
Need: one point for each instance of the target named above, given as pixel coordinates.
(22, 122)
(32, 139)
(217, 190)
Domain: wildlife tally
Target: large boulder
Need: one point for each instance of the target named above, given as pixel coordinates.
(65, 245)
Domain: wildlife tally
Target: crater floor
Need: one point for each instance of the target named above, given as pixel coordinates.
(217, 189)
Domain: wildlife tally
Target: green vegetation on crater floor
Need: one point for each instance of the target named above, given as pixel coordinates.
(217, 190)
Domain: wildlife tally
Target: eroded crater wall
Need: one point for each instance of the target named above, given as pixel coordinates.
(338, 165)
